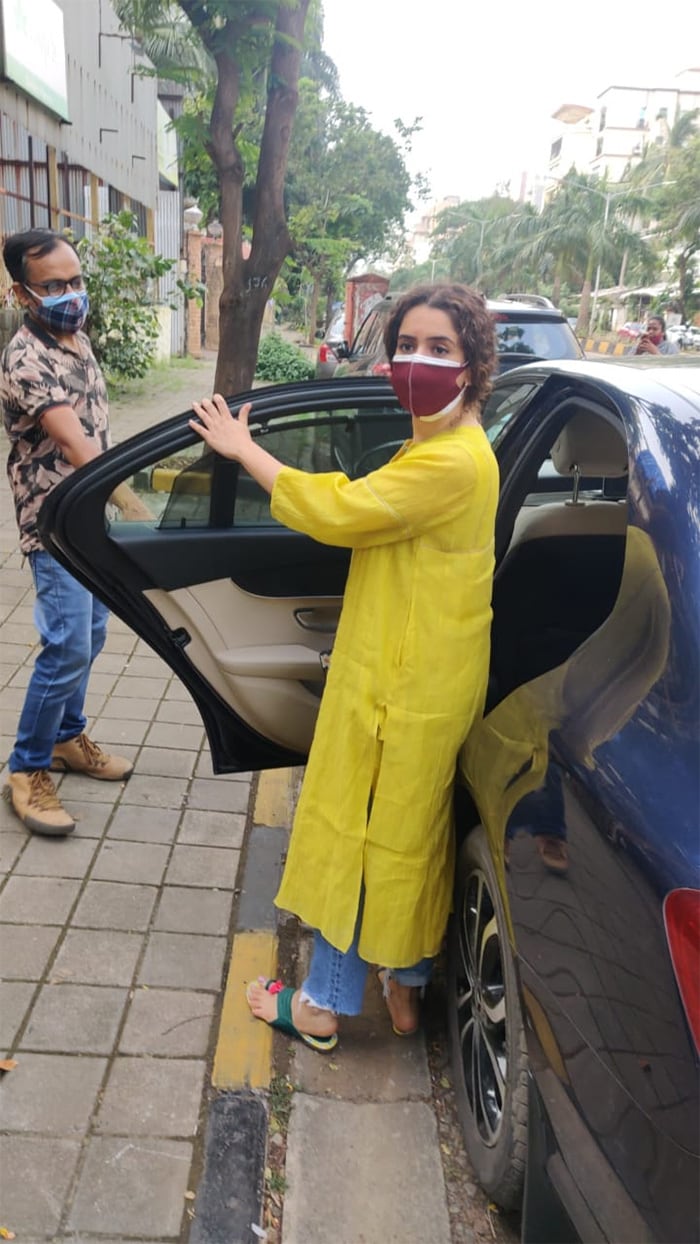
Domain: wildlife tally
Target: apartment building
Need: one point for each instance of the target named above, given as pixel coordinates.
(612, 136)
(420, 236)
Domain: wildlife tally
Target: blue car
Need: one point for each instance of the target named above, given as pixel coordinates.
(574, 948)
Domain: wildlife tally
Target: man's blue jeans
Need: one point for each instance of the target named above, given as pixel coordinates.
(72, 626)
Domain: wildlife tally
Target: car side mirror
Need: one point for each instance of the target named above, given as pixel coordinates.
(342, 350)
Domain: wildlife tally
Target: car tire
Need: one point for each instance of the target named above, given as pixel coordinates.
(486, 1034)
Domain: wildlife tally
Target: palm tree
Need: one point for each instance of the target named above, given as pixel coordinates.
(675, 205)
(470, 238)
(676, 212)
(656, 161)
(587, 229)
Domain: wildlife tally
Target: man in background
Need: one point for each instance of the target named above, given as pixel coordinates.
(55, 411)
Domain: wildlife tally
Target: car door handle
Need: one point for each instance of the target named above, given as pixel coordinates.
(288, 661)
(323, 619)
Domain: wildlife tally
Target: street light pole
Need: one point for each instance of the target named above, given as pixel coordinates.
(608, 196)
(594, 300)
(483, 226)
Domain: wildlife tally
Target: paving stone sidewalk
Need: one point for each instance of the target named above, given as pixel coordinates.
(113, 941)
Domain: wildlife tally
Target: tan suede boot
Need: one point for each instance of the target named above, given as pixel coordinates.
(32, 796)
(81, 755)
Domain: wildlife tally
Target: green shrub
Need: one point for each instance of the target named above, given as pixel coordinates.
(120, 272)
(279, 360)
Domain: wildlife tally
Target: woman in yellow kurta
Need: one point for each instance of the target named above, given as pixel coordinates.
(370, 861)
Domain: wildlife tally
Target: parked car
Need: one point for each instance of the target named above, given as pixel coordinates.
(630, 331)
(574, 995)
(333, 339)
(528, 328)
(686, 336)
(675, 333)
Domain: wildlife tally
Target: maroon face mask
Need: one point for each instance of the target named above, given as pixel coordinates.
(426, 387)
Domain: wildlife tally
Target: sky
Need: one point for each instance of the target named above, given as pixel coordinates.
(486, 77)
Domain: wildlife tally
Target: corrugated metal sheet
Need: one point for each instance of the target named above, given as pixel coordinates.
(23, 178)
(168, 240)
(112, 136)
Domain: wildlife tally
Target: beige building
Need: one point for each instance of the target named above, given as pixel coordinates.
(420, 238)
(605, 140)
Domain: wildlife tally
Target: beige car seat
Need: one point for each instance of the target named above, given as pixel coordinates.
(561, 574)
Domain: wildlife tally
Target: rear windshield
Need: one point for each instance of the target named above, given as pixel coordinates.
(536, 339)
(370, 338)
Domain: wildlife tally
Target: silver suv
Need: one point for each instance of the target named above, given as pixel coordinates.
(528, 329)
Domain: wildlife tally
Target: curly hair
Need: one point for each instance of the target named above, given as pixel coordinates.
(472, 321)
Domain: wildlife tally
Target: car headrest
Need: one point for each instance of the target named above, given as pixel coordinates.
(591, 444)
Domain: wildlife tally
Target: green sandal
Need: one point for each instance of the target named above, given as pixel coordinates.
(285, 1023)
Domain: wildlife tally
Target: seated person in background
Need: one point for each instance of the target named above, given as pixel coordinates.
(653, 339)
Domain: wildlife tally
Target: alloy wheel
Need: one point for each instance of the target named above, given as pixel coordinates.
(481, 1007)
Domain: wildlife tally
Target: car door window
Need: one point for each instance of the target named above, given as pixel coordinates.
(353, 441)
(194, 488)
(178, 489)
(503, 403)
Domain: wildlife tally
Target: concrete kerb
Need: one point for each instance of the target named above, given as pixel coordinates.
(603, 345)
(229, 1202)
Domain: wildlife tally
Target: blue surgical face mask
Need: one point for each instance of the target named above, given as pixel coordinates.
(63, 313)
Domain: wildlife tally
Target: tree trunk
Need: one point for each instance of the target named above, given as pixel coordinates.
(584, 311)
(248, 283)
(556, 288)
(330, 298)
(313, 310)
(682, 264)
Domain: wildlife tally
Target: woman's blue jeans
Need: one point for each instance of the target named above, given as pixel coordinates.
(72, 626)
(337, 979)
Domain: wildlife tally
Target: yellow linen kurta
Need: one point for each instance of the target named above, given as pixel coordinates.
(407, 678)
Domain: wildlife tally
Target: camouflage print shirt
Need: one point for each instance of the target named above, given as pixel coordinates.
(36, 374)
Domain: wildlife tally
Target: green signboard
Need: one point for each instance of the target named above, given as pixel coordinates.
(34, 52)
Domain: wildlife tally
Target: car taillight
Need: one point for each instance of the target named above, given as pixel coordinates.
(682, 920)
(323, 353)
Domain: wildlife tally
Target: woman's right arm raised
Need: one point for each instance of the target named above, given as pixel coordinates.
(231, 438)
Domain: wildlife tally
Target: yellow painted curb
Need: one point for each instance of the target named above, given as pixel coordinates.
(273, 802)
(243, 1057)
(163, 480)
(595, 346)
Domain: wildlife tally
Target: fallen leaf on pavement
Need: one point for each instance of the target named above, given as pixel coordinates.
(7, 1064)
(6, 1234)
